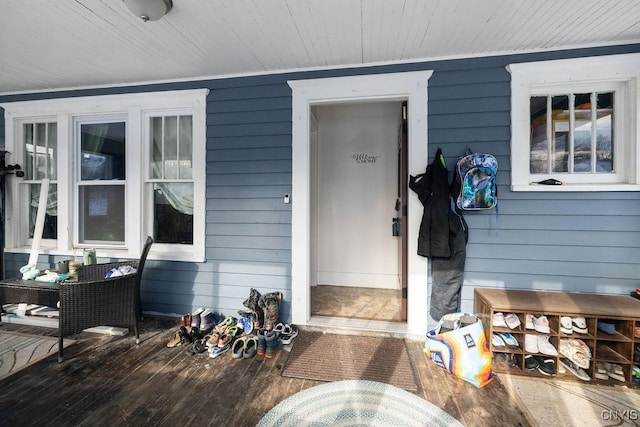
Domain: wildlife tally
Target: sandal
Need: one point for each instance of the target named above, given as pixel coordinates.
(250, 347)
(237, 349)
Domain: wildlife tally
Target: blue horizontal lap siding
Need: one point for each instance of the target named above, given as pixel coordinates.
(579, 242)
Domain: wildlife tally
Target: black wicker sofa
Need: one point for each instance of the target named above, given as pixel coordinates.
(91, 300)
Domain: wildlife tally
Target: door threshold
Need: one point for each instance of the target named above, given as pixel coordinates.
(348, 326)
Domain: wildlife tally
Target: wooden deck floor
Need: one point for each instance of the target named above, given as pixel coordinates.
(111, 381)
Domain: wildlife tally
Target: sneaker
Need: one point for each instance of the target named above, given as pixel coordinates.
(541, 324)
(574, 369)
(531, 343)
(512, 320)
(614, 371)
(498, 321)
(218, 351)
(497, 342)
(530, 363)
(579, 325)
(546, 365)
(600, 372)
(246, 323)
(287, 332)
(565, 325)
(508, 358)
(528, 324)
(510, 340)
(545, 347)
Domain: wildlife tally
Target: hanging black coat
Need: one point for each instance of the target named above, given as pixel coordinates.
(432, 188)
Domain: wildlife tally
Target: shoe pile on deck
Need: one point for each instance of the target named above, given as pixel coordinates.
(257, 332)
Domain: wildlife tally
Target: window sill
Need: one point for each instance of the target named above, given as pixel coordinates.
(103, 253)
(575, 187)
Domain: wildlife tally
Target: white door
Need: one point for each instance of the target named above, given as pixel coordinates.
(356, 184)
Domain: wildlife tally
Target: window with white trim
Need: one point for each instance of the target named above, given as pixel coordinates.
(575, 122)
(120, 167)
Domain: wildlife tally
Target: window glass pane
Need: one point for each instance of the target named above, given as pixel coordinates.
(156, 147)
(50, 230)
(173, 213)
(52, 135)
(560, 134)
(103, 151)
(539, 148)
(40, 139)
(582, 133)
(102, 216)
(171, 147)
(604, 133)
(28, 151)
(186, 147)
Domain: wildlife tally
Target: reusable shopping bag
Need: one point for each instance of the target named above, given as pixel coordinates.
(462, 351)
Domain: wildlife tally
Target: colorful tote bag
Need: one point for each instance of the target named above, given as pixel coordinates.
(462, 351)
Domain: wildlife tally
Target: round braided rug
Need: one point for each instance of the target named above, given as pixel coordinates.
(356, 403)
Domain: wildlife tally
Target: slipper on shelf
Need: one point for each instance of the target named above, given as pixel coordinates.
(600, 372)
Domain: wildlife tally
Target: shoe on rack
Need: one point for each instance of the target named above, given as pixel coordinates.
(528, 321)
(614, 371)
(509, 340)
(541, 324)
(512, 320)
(498, 320)
(497, 342)
(546, 365)
(600, 372)
(507, 358)
(531, 343)
(607, 328)
(574, 369)
(545, 347)
(530, 363)
(579, 325)
(565, 325)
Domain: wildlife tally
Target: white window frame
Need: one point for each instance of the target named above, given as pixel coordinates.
(619, 73)
(67, 112)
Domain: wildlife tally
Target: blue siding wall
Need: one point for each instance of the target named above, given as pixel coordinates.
(583, 242)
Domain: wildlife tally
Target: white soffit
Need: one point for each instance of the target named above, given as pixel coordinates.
(48, 45)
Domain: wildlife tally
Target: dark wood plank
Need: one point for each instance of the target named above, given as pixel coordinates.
(111, 380)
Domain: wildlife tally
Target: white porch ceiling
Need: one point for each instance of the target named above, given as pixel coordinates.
(59, 44)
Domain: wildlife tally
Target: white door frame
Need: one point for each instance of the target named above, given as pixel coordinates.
(410, 86)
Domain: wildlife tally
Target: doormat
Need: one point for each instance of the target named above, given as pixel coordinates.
(18, 350)
(328, 357)
(356, 403)
(571, 403)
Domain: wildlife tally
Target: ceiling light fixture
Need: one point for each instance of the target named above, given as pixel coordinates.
(149, 10)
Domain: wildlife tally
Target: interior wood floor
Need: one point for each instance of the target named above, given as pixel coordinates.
(107, 380)
(356, 303)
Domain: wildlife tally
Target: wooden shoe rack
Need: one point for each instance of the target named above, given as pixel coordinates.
(622, 311)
